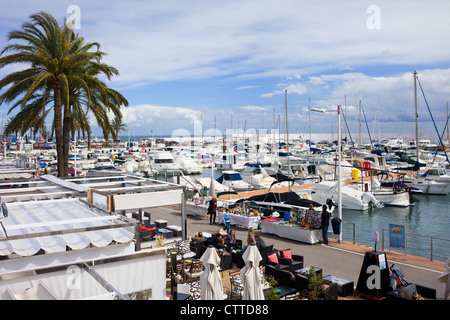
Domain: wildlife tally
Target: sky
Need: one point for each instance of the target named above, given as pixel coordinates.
(187, 66)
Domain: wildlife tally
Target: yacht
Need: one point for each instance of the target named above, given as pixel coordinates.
(233, 180)
(228, 161)
(389, 196)
(163, 161)
(352, 199)
(189, 166)
(433, 181)
(256, 175)
(103, 161)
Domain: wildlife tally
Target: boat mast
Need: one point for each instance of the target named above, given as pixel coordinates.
(447, 123)
(287, 132)
(309, 108)
(417, 118)
(360, 140)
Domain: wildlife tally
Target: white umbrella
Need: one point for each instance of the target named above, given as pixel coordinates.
(210, 281)
(251, 275)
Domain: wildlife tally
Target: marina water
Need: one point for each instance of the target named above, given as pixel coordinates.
(428, 217)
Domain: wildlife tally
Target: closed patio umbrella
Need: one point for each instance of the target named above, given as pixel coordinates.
(251, 275)
(210, 280)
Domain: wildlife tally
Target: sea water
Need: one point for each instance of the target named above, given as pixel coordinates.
(428, 218)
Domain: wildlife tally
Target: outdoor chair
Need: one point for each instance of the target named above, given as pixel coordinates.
(237, 286)
(406, 292)
(264, 252)
(274, 259)
(301, 281)
(147, 234)
(294, 261)
(283, 277)
(195, 269)
(184, 249)
(198, 248)
(193, 287)
(180, 274)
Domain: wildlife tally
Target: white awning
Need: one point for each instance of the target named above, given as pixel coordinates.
(60, 217)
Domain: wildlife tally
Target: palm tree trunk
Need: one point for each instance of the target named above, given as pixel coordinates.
(58, 131)
(67, 125)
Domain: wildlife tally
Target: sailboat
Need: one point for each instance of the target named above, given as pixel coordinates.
(423, 182)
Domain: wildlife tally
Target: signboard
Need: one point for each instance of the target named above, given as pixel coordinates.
(397, 236)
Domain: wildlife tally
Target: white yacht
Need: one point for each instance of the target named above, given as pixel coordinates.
(163, 161)
(188, 165)
(103, 161)
(233, 180)
(256, 175)
(351, 198)
(389, 196)
(228, 161)
(432, 181)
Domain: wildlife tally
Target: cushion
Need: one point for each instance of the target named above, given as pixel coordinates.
(409, 290)
(287, 254)
(272, 257)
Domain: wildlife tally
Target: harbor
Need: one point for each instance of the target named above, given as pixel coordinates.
(224, 153)
(421, 261)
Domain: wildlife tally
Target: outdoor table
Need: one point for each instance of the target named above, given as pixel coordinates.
(306, 270)
(345, 287)
(283, 290)
(236, 219)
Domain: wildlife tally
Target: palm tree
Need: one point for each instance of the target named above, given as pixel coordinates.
(118, 126)
(61, 69)
(45, 51)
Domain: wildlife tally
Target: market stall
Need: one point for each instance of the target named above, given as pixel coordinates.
(243, 220)
(299, 225)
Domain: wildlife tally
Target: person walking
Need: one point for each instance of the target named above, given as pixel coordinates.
(325, 224)
(227, 219)
(212, 208)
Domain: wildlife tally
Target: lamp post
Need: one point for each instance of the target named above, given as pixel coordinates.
(339, 179)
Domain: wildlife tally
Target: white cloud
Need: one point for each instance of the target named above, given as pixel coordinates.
(296, 88)
(254, 108)
(173, 40)
(153, 115)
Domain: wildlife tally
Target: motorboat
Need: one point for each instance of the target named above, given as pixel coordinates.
(233, 180)
(432, 181)
(437, 174)
(163, 161)
(228, 161)
(352, 199)
(103, 161)
(428, 186)
(256, 175)
(188, 165)
(388, 195)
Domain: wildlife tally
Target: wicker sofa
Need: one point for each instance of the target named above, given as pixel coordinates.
(406, 292)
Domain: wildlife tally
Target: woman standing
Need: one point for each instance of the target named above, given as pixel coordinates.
(212, 210)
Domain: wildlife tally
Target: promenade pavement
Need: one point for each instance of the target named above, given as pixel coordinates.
(343, 260)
